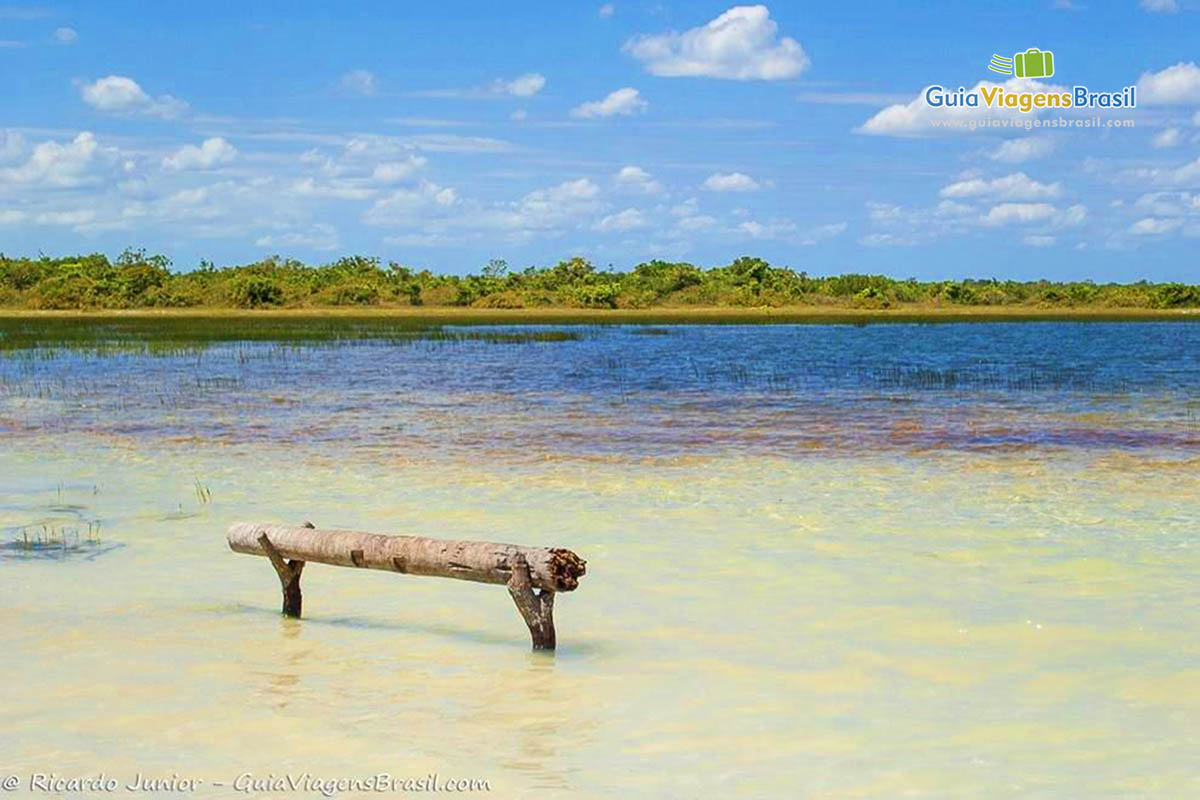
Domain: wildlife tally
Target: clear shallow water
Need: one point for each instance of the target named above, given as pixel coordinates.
(823, 561)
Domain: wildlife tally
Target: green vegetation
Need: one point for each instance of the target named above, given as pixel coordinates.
(139, 281)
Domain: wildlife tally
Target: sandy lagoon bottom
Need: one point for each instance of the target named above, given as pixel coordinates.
(832, 625)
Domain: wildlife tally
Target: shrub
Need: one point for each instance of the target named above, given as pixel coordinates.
(1176, 295)
(597, 295)
(256, 291)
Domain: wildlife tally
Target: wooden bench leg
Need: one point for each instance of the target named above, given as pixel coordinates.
(537, 608)
(289, 577)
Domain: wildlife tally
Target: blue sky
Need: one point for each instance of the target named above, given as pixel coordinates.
(443, 135)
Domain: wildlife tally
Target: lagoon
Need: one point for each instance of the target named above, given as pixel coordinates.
(824, 560)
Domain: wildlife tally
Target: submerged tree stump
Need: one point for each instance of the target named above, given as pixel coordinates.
(522, 569)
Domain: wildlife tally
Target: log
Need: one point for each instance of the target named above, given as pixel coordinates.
(522, 569)
(550, 569)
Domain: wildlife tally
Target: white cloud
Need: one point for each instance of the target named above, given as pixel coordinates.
(1160, 6)
(949, 208)
(430, 213)
(730, 182)
(1029, 213)
(1075, 215)
(917, 117)
(606, 10)
(1170, 137)
(11, 217)
(58, 165)
(1027, 148)
(66, 219)
(451, 143)
(627, 220)
(361, 82)
(320, 236)
(209, 154)
(822, 232)
(774, 229)
(520, 115)
(66, 36)
(1175, 85)
(741, 44)
(335, 189)
(120, 95)
(637, 178)
(393, 171)
(1039, 240)
(1169, 204)
(621, 102)
(526, 85)
(785, 229)
(1151, 226)
(696, 222)
(1017, 186)
(1184, 175)
(1019, 213)
(408, 206)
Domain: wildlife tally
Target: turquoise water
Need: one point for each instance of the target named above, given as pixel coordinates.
(824, 561)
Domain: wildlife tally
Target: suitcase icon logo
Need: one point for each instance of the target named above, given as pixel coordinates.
(1033, 63)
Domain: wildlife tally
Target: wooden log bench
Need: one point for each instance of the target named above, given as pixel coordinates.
(533, 575)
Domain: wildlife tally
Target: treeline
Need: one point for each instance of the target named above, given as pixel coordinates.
(138, 280)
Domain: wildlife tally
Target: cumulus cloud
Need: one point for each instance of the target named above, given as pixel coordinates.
(66, 219)
(606, 10)
(66, 36)
(320, 236)
(58, 165)
(409, 205)
(1187, 174)
(1175, 85)
(917, 117)
(430, 212)
(696, 222)
(1160, 6)
(822, 232)
(637, 178)
(1169, 204)
(730, 182)
(117, 94)
(526, 85)
(1028, 213)
(1017, 186)
(334, 189)
(1027, 148)
(1169, 137)
(360, 82)
(211, 152)
(627, 220)
(622, 102)
(1151, 226)
(394, 171)
(741, 44)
